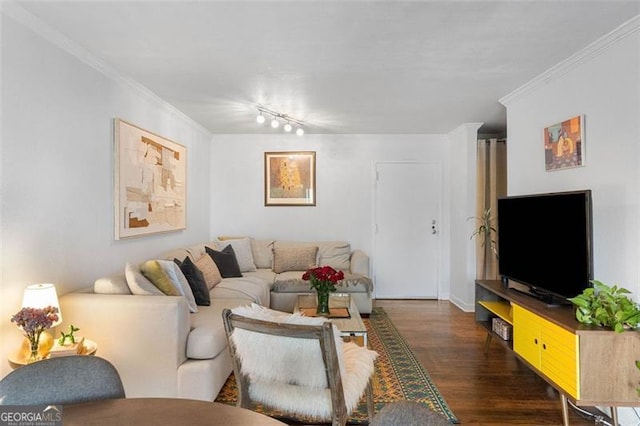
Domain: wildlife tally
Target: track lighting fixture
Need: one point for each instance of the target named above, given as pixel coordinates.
(277, 117)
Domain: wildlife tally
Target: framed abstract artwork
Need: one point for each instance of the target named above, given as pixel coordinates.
(290, 178)
(564, 144)
(150, 182)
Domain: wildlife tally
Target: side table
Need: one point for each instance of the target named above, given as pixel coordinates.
(19, 358)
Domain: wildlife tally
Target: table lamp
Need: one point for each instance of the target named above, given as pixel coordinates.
(40, 296)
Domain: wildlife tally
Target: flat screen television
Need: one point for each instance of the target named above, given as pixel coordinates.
(545, 243)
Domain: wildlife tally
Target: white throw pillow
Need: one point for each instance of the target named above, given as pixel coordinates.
(244, 255)
(180, 282)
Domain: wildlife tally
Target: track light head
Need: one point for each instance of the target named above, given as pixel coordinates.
(276, 119)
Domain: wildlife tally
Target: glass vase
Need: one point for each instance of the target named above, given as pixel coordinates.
(322, 309)
(34, 354)
(36, 346)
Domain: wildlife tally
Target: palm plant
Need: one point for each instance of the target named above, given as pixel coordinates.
(486, 231)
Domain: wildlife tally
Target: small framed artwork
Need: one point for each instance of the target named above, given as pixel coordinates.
(150, 182)
(564, 144)
(290, 178)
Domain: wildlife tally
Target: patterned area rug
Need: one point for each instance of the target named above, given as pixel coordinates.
(398, 376)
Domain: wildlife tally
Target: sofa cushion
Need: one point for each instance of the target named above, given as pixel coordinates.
(180, 282)
(252, 289)
(335, 254)
(207, 337)
(294, 258)
(225, 261)
(113, 284)
(262, 251)
(137, 282)
(267, 275)
(242, 250)
(210, 271)
(196, 281)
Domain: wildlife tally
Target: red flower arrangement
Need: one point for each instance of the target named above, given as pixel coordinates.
(323, 279)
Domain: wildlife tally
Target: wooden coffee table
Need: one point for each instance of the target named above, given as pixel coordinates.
(351, 327)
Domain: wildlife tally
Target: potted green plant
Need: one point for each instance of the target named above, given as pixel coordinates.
(487, 234)
(605, 306)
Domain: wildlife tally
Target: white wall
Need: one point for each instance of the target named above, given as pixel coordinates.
(603, 83)
(344, 174)
(462, 151)
(56, 182)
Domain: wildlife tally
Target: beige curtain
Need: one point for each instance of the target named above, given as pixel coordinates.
(492, 183)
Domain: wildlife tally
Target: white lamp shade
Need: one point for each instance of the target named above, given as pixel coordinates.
(40, 296)
(260, 118)
(287, 127)
(300, 131)
(275, 123)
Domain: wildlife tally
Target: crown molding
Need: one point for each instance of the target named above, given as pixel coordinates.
(591, 51)
(13, 10)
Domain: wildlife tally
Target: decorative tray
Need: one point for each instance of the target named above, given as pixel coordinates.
(333, 312)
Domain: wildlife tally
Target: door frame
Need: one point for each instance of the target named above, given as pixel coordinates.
(443, 293)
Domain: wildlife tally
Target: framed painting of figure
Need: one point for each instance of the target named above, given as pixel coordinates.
(290, 178)
(564, 144)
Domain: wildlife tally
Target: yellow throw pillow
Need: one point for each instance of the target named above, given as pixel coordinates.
(154, 273)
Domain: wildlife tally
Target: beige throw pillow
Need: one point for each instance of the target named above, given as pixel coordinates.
(294, 258)
(208, 267)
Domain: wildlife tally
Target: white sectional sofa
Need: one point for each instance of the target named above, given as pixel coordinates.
(162, 349)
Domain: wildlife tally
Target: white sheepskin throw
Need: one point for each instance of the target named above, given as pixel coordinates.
(288, 373)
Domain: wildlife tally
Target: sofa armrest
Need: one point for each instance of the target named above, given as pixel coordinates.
(359, 263)
(145, 337)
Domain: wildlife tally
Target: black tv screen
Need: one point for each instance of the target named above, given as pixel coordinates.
(545, 242)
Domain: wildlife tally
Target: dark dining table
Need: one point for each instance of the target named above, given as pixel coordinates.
(161, 411)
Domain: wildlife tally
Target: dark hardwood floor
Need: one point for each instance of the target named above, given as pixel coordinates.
(481, 389)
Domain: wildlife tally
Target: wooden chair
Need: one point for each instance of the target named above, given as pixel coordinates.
(280, 373)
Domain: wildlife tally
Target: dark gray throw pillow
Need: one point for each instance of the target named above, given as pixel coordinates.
(226, 261)
(196, 281)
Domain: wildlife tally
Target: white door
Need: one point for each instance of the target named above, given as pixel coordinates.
(407, 206)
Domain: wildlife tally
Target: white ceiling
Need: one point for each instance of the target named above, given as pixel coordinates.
(340, 66)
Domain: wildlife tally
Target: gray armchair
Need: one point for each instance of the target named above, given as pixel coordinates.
(63, 380)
